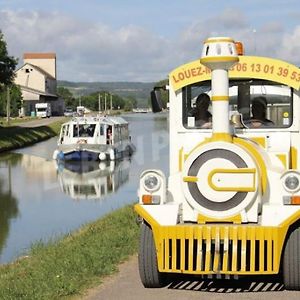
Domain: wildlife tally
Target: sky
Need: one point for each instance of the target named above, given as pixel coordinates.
(131, 40)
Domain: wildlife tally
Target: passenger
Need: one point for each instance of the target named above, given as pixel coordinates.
(90, 131)
(259, 109)
(201, 113)
(109, 136)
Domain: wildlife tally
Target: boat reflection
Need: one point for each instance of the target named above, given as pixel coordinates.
(91, 179)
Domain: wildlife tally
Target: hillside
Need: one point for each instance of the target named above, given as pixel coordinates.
(138, 90)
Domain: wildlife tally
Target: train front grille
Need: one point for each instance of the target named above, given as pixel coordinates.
(214, 249)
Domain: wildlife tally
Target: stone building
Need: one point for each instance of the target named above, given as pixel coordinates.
(37, 80)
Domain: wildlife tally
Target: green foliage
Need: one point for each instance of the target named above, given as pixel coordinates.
(138, 90)
(163, 92)
(15, 100)
(67, 96)
(67, 267)
(7, 64)
(91, 101)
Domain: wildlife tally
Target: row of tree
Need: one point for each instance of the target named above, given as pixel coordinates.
(96, 101)
(10, 94)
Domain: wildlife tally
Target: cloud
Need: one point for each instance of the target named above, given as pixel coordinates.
(89, 51)
(290, 48)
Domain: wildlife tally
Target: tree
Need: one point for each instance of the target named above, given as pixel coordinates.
(67, 96)
(7, 64)
(163, 92)
(15, 100)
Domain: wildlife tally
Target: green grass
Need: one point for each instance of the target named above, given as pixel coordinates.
(14, 137)
(67, 267)
(15, 121)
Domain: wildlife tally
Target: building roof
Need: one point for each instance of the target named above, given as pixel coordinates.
(34, 91)
(39, 55)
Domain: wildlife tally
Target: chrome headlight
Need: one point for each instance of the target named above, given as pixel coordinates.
(152, 182)
(291, 181)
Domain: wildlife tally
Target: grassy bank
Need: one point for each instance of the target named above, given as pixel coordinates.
(67, 267)
(14, 137)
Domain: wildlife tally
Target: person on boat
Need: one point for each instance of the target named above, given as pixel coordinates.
(259, 109)
(109, 136)
(202, 115)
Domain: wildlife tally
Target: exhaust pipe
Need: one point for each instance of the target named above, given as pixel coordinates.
(219, 54)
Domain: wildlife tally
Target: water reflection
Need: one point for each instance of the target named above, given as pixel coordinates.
(37, 198)
(90, 179)
(8, 202)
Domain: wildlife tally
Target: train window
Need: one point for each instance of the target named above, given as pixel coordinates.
(260, 104)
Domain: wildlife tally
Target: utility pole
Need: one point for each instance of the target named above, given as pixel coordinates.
(111, 102)
(105, 103)
(99, 103)
(8, 105)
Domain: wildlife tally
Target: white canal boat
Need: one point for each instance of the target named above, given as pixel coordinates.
(94, 138)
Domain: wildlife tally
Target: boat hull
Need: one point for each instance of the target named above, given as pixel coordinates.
(93, 152)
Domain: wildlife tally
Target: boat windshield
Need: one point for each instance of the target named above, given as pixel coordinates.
(84, 130)
(260, 103)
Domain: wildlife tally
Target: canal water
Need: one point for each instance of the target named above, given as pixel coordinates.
(40, 200)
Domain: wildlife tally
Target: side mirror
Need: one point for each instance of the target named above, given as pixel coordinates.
(156, 102)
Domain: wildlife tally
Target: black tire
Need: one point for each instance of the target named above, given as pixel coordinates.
(149, 274)
(291, 261)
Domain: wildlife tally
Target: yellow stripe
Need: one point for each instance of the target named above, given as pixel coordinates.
(201, 219)
(191, 248)
(243, 254)
(283, 159)
(294, 157)
(259, 160)
(221, 137)
(180, 159)
(219, 98)
(252, 249)
(212, 40)
(219, 59)
(226, 248)
(259, 140)
(190, 179)
(234, 237)
(208, 248)
(145, 215)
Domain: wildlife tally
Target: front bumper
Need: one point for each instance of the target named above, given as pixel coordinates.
(217, 248)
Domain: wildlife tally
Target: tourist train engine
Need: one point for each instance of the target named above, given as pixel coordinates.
(231, 204)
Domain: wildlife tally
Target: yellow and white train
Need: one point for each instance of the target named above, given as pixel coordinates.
(231, 204)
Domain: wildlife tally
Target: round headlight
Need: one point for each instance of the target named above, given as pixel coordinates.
(292, 182)
(151, 182)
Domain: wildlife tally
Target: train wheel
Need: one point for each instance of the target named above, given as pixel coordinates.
(149, 274)
(291, 261)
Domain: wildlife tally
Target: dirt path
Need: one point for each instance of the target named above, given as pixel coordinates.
(126, 285)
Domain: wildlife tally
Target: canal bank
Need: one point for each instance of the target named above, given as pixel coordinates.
(15, 137)
(68, 266)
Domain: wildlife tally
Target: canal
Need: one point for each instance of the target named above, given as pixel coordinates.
(40, 200)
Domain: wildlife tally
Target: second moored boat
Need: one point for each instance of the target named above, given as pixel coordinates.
(94, 138)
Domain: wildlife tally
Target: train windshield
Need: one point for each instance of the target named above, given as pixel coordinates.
(257, 103)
